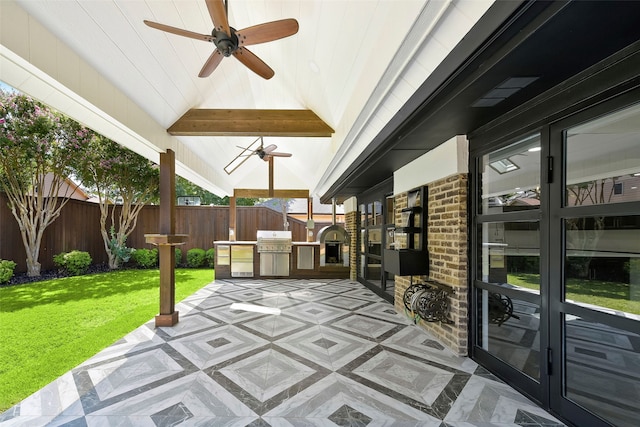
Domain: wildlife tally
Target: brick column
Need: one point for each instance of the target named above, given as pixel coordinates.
(352, 227)
(447, 245)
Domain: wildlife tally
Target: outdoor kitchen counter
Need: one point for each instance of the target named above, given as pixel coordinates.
(304, 261)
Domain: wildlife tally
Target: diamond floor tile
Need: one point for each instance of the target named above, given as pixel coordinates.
(325, 353)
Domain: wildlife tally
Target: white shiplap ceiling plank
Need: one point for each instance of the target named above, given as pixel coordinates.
(335, 65)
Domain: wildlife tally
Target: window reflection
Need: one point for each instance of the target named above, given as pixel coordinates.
(603, 160)
(375, 241)
(510, 330)
(511, 177)
(602, 262)
(510, 254)
(374, 271)
(378, 219)
(363, 215)
(370, 218)
(390, 211)
(602, 370)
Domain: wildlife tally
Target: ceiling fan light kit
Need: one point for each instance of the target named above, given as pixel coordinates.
(229, 42)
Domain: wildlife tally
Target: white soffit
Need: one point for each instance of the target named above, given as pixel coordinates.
(449, 158)
(354, 63)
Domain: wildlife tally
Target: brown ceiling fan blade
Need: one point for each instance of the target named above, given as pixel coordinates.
(179, 31)
(269, 148)
(218, 15)
(211, 64)
(267, 32)
(254, 63)
(277, 154)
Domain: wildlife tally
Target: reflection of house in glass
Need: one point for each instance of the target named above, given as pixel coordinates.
(619, 189)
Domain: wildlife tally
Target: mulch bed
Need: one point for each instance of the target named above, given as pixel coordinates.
(22, 278)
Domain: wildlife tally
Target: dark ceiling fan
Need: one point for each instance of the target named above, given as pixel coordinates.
(265, 153)
(229, 41)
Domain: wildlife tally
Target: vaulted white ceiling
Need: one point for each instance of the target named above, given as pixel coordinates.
(352, 62)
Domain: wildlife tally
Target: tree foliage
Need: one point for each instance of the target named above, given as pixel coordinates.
(187, 188)
(584, 233)
(124, 182)
(37, 149)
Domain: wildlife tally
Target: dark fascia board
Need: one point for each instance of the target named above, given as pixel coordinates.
(485, 29)
(612, 76)
(373, 193)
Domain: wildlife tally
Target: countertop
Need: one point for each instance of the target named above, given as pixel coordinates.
(253, 242)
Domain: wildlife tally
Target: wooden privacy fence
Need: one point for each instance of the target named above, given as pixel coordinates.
(78, 227)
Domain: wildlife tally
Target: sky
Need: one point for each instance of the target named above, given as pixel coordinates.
(5, 86)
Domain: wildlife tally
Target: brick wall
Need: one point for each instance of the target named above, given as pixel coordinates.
(447, 245)
(351, 225)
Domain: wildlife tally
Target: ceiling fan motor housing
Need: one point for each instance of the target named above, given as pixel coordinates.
(226, 44)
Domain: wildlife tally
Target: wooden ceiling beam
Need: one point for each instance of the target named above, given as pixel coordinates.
(246, 193)
(213, 122)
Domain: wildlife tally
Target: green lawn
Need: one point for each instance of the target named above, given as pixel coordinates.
(49, 327)
(613, 295)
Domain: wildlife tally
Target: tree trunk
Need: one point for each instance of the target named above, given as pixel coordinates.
(113, 260)
(33, 268)
(31, 238)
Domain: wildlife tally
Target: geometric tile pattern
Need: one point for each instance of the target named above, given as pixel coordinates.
(333, 353)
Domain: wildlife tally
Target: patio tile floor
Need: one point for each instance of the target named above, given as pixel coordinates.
(325, 353)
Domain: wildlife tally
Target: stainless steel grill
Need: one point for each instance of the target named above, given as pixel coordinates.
(274, 248)
(274, 241)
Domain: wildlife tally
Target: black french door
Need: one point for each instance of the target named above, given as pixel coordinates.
(556, 263)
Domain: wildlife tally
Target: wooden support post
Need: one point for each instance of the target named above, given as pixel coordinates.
(232, 219)
(168, 316)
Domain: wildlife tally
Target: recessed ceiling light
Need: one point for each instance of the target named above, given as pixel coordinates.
(534, 149)
(636, 174)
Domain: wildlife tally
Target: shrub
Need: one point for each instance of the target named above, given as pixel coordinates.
(6, 270)
(74, 263)
(145, 258)
(121, 252)
(178, 257)
(196, 257)
(210, 256)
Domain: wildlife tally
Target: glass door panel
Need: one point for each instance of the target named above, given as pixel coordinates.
(603, 160)
(510, 177)
(509, 278)
(509, 310)
(602, 263)
(510, 254)
(374, 241)
(375, 235)
(602, 370)
(509, 329)
(599, 272)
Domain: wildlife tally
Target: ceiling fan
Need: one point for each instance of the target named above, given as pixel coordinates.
(229, 41)
(265, 153)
